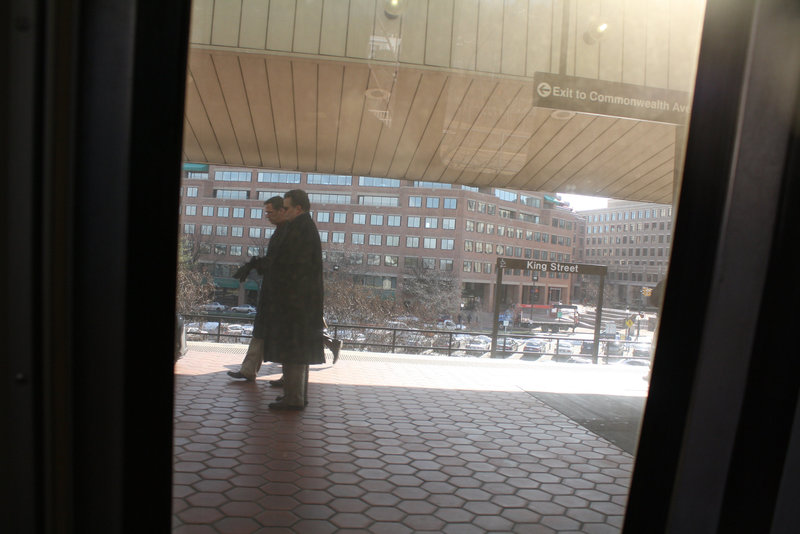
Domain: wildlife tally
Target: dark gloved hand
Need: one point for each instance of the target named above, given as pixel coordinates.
(242, 272)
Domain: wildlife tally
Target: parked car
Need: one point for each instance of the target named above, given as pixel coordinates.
(214, 307)
(641, 350)
(531, 349)
(244, 308)
(480, 342)
(449, 325)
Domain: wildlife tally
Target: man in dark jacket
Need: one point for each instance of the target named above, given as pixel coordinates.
(295, 324)
(255, 351)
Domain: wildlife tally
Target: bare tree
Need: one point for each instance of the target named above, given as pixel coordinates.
(347, 298)
(428, 293)
(195, 286)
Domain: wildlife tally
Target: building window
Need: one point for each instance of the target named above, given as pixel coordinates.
(255, 232)
(448, 244)
(223, 211)
(432, 202)
(450, 203)
(375, 239)
(410, 262)
(467, 266)
(468, 245)
(339, 217)
(238, 213)
(236, 250)
(448, 224)
(222, 230)
(469, 226)
(368, 181)
(429, 242)
(253, 251)
(191, 191)
(412, 242)
(188, 229)
(372, 200)
(500, 250)
(231, 194)
(323, 216)
(237, 231)
(256, 213)
(357, 239)
(208, 211)
(414, 202)
(196, 175)
(431, 222)
(337, 237)
(323, 236)
(413, 221)
(393, 220)
(220, 250)
(433, 185)
(445, 265)
(279, 177)
(392, 240)
(329, 179)
(391, 261)
(376, 219)
(373, 259)
(328, 198)
(191, 209)
(359, 218)
(205, 229)
(428, 263)
(232, 176)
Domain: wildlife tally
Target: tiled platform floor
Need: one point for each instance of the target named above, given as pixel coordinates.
(392, 444)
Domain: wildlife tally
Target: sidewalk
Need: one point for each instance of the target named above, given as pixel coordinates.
(396, 443)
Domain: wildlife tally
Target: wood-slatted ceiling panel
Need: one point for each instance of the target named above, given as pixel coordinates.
(288, 113)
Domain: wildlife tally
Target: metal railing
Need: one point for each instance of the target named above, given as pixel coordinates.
(573, 348)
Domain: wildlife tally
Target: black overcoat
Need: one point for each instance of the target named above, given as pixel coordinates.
(263, 268)
(294, 321)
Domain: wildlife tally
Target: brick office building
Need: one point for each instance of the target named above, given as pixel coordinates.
(381, 230)
(633, 240)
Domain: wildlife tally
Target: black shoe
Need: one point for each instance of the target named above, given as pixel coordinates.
(335, 348)
(237, 374)
(276, 383)
(280, 398)
(283, 406)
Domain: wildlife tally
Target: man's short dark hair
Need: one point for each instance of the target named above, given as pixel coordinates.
(299, 198)
(276, 202)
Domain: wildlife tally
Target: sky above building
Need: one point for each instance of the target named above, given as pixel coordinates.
(583, 203)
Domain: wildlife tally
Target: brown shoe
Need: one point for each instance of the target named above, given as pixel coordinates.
(277, 383)
(283, 406)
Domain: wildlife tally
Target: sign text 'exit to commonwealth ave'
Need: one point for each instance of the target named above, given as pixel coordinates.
(550, 266)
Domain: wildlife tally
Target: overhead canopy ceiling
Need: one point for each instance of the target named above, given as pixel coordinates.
(428, 96)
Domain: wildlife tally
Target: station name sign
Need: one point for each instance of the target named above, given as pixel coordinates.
(600, 97)
(550, 266)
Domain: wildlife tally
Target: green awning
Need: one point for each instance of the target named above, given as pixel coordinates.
(251, 284)
(195, 167)
(229, 283)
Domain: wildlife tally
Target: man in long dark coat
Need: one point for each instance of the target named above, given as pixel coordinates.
(295, 324)
(255, 351)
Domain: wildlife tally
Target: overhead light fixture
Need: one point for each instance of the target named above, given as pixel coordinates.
(377, 93)
(393, 8)
(594, 34)
(562, 115)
